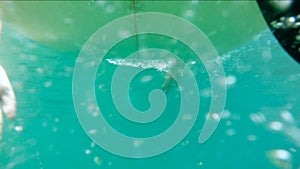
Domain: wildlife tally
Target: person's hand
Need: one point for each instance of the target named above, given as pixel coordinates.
(7, 98)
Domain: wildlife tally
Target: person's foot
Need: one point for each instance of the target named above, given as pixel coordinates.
(7, 98)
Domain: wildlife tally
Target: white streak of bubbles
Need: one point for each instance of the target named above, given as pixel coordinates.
(161, 65)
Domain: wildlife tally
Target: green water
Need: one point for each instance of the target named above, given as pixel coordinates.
(261, 117)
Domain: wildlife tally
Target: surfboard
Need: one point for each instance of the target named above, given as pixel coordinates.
(66, 25)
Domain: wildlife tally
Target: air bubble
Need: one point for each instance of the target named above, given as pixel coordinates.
(257, 118)
(228, 123)
(189, 13)
(282, 154)
(93, 131)
(226, 114)
(48, 84)
(56, 120)
(200, 163)
(277, 25)
(101, 86)
(145, 79)
(98, 160)
(296, 25)
(88, 151)
(215, 116)
(185, 142)
(291, 20)
(230, 132)
(230, 80)
(276, 125)
(287, 116)
(40, 70)
(18, 128)
(192, 62)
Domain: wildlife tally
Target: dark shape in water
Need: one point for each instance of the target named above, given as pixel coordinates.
(283, 18)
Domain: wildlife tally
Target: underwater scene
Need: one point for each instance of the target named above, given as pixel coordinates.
(147, 84)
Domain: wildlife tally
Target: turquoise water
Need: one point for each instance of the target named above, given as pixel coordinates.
(259, 129)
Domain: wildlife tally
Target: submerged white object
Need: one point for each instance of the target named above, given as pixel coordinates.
(7, 96)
